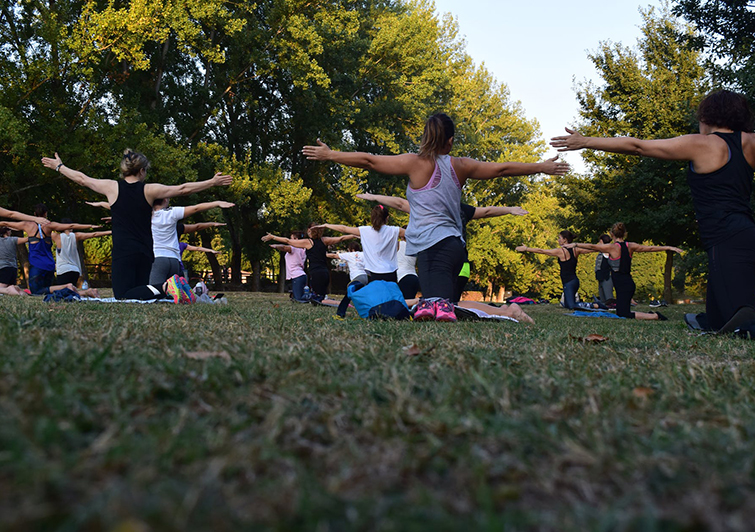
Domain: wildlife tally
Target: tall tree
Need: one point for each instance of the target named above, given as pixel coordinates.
(647, 92)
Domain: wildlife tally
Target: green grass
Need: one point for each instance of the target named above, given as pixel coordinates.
(316, 424)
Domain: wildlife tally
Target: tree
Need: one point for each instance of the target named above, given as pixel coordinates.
(648, 93)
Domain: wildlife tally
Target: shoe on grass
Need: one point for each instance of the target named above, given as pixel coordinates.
(444, 311)
(425, 311)
(661, 317)
(173, 289)
(190, 296)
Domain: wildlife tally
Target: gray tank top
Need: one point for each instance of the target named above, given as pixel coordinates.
(434, 208)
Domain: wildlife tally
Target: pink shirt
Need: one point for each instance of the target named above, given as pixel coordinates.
(295, 263)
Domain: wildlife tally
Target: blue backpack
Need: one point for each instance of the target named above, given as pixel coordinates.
(379, 300)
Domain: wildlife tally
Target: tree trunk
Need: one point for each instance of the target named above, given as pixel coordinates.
(256, 269)
(501, 294)
(489, 291)
(23, 260)
(667, 271)
(217, 274)
(282, 273)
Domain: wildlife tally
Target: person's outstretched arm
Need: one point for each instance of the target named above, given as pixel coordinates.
(492, 212)
(304, 243)
(106, 187)
(193, 228)
(340, 228)
(333, 240)
(200, 248)
(385, 164)
(394, 202)
(583, 247)
(467, 168)
(26, 227)
(558, 252)
(59, 227)
(639, 248)
(101, 204)
(201, 207)
(281, 247)
(685, 148)
(153, 191)
(21, 217)
(96, 234)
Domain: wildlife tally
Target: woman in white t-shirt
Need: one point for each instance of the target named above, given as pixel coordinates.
(379, 244)
(165, 237)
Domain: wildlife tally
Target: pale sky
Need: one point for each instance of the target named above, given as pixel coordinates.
(539, 49)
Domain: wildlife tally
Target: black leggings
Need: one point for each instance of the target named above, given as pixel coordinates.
(731, 278)
(625, 287)
(145, 293)
(129, 272)
(390, 277)
(439, 266)
(409, 285)
(319, 279)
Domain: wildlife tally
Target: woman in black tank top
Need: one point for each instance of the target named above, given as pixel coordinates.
(620, 258)
(316, 247)
(567, 262)
(722, 158)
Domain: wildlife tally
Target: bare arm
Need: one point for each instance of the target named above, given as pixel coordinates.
(153, 191)
(639, 248)
(333, 240)
(492, 212)
(106, 187)
(305, 243)
(101, 204)
(467, 168)
(558, 252)
(59, 227)
(341, 228)
(332, 255)
(26, 227)
(281, 247)
(385, 164)
(193, 228)
(200, 248)
(96, 234)
(394, 202)
(201, 207)
(15, 215)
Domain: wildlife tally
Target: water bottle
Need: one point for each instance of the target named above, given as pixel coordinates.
(306, 293)
(85, 285)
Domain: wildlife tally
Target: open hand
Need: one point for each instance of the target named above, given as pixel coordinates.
(53, 162)
(570, 142)
(521, 249)
(222, 180)
(320, 152)
(518, 211)
(555, 167)
(268, 237)
(225, 205)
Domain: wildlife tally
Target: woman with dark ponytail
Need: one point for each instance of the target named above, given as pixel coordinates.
(620, 258)
(434, 233)
(379, 244)
(131, 200)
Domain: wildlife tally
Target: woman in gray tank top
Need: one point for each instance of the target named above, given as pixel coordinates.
(434, 194)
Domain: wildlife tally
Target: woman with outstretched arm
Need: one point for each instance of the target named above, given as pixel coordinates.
(131, 200)
(721, 161)
(435, 180)
(316, 248)
(620, 258)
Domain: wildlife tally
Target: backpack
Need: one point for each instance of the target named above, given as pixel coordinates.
(378, 300)
(603, 273)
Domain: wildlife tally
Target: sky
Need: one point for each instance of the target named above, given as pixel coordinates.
(539, 48)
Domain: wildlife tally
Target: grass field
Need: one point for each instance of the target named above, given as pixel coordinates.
(263, 414)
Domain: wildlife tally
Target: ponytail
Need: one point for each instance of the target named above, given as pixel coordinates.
(439, 128)
(378, 217)
(619, 230)
(133, 162)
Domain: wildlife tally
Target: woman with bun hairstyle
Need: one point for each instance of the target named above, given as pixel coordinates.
(131, 200)
(316, 248)
(721, 161)
(567, 263)
(620, 258)
(434, 233)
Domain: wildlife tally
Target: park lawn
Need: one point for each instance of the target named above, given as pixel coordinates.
(296, 421)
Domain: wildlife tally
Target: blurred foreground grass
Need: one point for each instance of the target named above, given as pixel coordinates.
(270, 415)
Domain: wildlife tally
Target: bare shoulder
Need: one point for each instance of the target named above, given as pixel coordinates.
(748, 147)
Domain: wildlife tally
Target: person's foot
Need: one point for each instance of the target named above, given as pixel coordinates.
(661, 317)
(425, 311)
(190, 296)
(518, 314)
(444, 311)
(172, 289)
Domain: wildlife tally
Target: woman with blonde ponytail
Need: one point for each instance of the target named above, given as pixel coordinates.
(434, 233)
(131, 200)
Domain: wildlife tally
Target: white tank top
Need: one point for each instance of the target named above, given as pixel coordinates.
(67, 256)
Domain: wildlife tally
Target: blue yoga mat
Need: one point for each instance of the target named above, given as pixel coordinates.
(594, 314)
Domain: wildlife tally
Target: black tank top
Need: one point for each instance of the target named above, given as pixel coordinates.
(625, 260)
(722, 198)
(568, 267)
(132, 221)
(317, 255)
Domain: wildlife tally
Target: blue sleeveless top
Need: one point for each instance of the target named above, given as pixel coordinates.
(40, 251)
